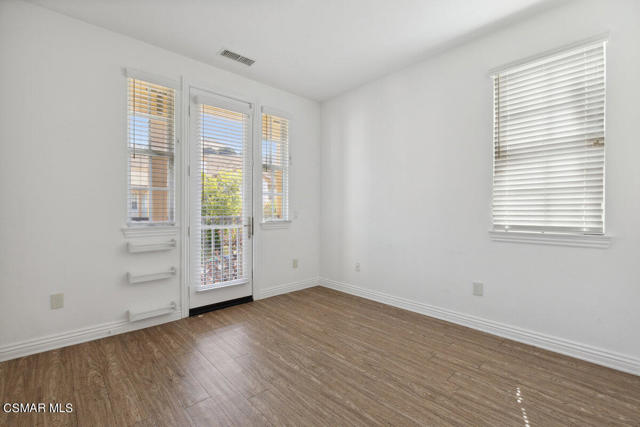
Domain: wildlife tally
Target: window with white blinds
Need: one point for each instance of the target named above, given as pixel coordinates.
(549, 136)
(151, 141)
(275, 168)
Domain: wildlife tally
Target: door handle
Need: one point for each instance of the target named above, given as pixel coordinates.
(249, 226)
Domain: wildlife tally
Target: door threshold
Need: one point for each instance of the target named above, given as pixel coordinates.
(217, 306)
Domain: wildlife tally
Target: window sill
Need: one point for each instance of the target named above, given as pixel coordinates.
(274, 225)
(555, 239)
(150, 231)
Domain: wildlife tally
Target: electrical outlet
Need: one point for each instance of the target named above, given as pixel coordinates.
(295, 263)
(358, 267)
(478, 289)
(57, 301)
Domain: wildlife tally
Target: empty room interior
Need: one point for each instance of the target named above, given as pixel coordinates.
(332, 213)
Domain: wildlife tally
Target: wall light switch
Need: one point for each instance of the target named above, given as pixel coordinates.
(478, 289)
(357, 266)
(57, 301)
(295, 263)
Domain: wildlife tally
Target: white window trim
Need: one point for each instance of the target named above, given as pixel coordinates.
(133, 230)
(282, 223)
(554, 239)
(601, 241)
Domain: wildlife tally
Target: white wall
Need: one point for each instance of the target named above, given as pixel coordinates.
(63, 161)
(406, 189)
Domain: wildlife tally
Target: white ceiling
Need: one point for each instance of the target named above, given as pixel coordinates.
(317, 49)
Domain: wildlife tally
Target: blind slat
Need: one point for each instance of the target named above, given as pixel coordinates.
(550, 105)
(573, 92)
(553, 120)
(566, 73)
(555, 109)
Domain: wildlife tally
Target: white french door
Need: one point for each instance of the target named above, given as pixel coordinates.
(220, 199)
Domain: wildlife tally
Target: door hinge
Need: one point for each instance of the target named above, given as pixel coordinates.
(188, 170)
(189, 231)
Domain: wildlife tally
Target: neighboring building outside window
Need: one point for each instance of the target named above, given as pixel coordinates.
(275, 168)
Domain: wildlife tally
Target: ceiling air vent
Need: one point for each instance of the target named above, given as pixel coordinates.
(237, 57)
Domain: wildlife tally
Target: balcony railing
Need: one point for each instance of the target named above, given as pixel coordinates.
(222, 255)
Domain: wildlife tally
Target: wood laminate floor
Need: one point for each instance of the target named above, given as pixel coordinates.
(316, 357)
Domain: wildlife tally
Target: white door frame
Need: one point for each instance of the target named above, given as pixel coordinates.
(185, 181)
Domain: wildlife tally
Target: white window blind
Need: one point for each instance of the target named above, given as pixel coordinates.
(151, 140)
(275, 168)
(223, 192)
(549, 130)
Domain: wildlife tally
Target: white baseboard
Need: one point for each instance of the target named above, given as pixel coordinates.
(596, 355)
(285, 288)
(77, 336)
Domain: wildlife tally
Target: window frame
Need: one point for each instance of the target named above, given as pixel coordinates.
(550, 237)
(287, 199)
(172, 192)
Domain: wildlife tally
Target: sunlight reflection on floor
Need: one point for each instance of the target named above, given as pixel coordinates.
(520, 400)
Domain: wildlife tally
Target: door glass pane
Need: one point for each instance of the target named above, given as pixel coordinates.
(223, 138)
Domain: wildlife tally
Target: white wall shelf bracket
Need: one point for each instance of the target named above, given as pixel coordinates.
(137, 247)
(141, 278)
(135, 316)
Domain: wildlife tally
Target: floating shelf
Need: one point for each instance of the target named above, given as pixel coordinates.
(140, 278)
(136, 247)
(135, 316)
